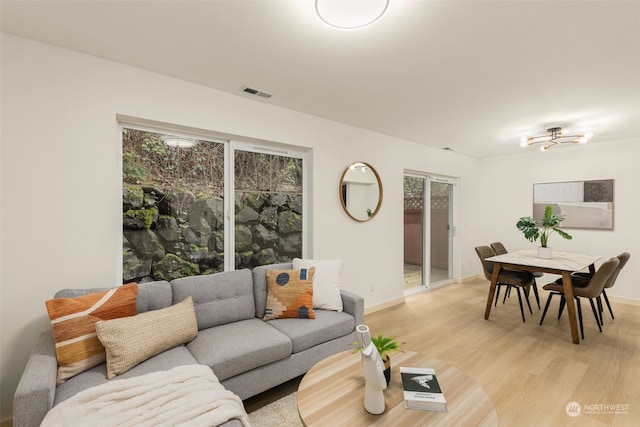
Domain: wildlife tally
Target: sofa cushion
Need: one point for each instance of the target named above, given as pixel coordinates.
(290, 294)
(73, 323)
(218, 298)
(154, 296)
(239, 347)
(326, 282)
(131, 340)
(176, 356)
(305, 333)
(260, 285)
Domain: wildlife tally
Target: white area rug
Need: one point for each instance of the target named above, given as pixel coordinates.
(282, 413)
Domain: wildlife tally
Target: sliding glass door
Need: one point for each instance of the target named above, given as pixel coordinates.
(414, 233)
(428, 231)
(441, 230)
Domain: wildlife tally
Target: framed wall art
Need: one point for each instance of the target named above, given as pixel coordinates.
(585, 204)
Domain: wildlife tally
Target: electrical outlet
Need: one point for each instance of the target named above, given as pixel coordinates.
(372, 287)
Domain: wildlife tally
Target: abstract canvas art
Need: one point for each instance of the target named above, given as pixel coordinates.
(585, 204)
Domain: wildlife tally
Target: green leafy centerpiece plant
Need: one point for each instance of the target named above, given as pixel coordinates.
(550, 222)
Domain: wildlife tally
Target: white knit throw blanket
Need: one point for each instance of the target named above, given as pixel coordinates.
(183, 396)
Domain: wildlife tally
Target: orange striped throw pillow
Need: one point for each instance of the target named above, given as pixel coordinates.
(73, 322)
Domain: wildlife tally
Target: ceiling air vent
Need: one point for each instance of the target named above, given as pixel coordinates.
(256, 92)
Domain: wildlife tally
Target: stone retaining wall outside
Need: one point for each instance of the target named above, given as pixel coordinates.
(176, 233)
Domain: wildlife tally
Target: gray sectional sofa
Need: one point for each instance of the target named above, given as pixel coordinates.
(247, 354)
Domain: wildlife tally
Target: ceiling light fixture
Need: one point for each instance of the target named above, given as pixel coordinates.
(350, 14)
(555, 136)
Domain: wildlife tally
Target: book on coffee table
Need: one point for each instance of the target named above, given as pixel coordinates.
(422, 390)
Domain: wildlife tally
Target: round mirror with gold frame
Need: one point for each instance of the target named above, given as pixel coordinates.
(360, 191)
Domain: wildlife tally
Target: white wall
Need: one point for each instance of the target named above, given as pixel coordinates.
(507, 195)
(61, 190)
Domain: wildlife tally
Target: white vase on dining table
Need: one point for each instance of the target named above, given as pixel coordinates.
(545, 252)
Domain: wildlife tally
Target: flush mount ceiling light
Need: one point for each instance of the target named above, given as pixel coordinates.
(555, 136)
(350, 14)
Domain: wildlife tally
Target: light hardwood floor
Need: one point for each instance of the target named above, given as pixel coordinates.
(530, 372)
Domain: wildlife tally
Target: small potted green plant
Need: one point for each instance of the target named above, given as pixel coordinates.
(549, 224)
(385, 345)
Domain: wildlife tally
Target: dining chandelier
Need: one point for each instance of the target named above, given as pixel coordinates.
(555, 136)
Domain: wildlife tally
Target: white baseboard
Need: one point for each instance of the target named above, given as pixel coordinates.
(382, 306)
(622, 300)
(401, 300)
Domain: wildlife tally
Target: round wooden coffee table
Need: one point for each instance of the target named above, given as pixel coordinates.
(332, 394)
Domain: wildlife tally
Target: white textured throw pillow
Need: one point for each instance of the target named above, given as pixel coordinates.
(326, 282)
(129, 341)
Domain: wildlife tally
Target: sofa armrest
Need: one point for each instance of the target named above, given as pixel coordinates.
(354, 305)
(34, 396)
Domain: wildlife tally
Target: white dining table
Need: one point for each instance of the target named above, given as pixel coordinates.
(562, 263)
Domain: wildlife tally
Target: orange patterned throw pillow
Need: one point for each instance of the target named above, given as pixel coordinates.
(290, 294)
(73, 322)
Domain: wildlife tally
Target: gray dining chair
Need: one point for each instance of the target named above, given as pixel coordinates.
(500, 249)
(582, 279)
(592, 290)
(508, 278)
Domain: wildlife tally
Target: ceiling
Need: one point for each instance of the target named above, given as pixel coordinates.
(473, 76)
